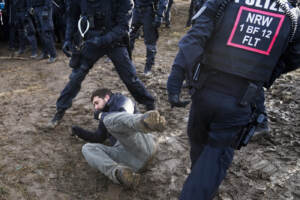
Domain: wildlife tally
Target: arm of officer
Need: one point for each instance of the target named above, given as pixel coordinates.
(193, 43)
(99, 136)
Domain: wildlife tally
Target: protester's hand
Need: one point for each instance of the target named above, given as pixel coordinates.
(157, 21)
(67, 48)
(97, 114)
(176, 102)
(75, 130)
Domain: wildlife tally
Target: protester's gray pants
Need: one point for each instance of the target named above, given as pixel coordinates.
(133, 148)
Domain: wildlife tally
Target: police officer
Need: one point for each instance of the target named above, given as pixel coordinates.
(228, 55)
(107, 26)
(149, 14)
(25, 27)
(42, 14)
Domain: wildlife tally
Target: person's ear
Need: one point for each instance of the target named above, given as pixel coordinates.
(106, 97)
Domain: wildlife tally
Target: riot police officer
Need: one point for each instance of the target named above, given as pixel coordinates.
(42, 14)
(230, 52)
(25, 27)
(107, 26)
(149, 14)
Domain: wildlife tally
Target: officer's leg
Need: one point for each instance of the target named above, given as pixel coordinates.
(126, 127)
(150, 37)
(127, 73)
(39, 25)
(197, 130)
(22, 40)
(48, 34)
(31, 37)
(210, 168)
(221, 124)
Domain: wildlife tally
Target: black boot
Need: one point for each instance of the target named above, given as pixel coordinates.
(56, 119)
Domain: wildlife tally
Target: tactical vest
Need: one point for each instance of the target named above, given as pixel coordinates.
(248, 42)
(101, 14)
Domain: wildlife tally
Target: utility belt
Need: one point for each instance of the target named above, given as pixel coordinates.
(242, 89)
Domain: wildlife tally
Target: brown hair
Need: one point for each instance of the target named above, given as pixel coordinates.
(101, 93)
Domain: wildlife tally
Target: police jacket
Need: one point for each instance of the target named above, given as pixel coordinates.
(111, 18)
(116, 103)
(159, 5)
(248, 39)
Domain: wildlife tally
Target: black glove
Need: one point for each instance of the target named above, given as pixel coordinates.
(67, 48)
(157, 21)
(96, 114)
(75, 130)
(175, 101)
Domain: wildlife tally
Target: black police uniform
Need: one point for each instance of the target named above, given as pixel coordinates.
(108, 34)
(238, 49)
(149, 14)
(42, 14)
(25, 27)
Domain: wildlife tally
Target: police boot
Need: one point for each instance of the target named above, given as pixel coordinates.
(19, 52)
(42, 56)
(261, 130)
(52, 59)
(151, 52)
(147, 70)
(56, 119)
(127, 177)
(151, 121)
(34, 55)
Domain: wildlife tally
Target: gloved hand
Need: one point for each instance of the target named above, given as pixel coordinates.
(97, 114)
(67, 48)
(75, 130)
(175, 101)
(157, 21)
(31, 11)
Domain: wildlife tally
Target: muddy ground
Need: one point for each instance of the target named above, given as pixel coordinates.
(36, 164)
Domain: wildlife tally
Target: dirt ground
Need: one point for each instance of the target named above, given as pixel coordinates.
(36, 164)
